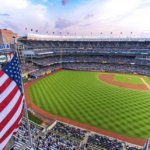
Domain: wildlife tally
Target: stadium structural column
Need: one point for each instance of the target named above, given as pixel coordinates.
(61, 58)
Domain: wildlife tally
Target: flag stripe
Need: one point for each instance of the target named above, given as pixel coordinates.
(1, 73)
(10, 97)
(12, 120)
(8, 108)
(5, 85)
(11, 113)
(3, 144)
(3, 78)
(10, 130)
(7, 91)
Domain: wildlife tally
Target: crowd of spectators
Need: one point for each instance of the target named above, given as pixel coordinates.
(99, 141)
(65, 137)
(69, 131)
(91, 58)
(98, 51)
(48, 61)
(86, 44)
(27, 67)
(21, 138)
(93, 66)
(74, 51)
(123, 64)
(42, 53)
(125, 55)
(133, 69)
(104, 142)
(60, 137)
(43, 71)
(52, 141)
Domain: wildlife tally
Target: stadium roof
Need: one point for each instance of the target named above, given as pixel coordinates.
(39, 37)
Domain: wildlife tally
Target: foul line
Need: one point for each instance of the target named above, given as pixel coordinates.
(147, 85)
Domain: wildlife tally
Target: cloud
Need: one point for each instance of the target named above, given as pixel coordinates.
(113, 16)
(24, 15)
(11, 25)
(62, 23)
(80, 16)
(5, 15)
(13, 4)
(89, 16)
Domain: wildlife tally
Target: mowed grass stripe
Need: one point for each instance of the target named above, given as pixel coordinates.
(81, 96)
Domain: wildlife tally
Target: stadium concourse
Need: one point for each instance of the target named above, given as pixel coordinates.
(46, 54)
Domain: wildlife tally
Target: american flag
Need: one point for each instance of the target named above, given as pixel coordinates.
(11, 100)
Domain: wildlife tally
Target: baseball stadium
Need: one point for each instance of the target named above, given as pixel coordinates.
(98, 89)
(74, 75)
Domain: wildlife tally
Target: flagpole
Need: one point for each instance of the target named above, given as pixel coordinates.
(26, 115)
(27, 118)
(25, 108)
(147, 148)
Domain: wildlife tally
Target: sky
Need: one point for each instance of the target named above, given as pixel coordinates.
(77, 17)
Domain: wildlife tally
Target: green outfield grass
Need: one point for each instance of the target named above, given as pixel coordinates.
(128, 79)
(81, 96)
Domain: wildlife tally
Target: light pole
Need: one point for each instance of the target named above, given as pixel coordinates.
(14, 42)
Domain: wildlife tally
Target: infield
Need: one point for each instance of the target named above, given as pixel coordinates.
(128, 81)
(82, 97)
(125, 78)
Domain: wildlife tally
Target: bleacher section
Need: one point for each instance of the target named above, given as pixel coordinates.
(65, 137)
(22, 137)
(129, 56)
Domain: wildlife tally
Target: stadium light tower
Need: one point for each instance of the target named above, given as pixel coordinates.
(111, 35)
(131, 34)
(101, 35)
(120, 35)
(61, 50)
(14, 42)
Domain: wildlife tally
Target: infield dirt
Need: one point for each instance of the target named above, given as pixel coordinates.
(109, 78)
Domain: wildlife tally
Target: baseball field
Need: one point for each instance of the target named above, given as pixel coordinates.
(114, 102)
